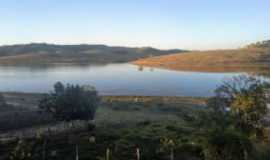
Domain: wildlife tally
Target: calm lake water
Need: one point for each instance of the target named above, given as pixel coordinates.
(113, 79)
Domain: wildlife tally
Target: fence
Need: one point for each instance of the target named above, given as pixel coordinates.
(49, 130)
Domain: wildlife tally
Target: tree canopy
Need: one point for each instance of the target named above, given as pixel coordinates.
(235, 118)
(244, 98)
(71, 102)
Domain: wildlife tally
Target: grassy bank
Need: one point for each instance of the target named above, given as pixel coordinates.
(117, 121)
(118, 110)
(237, 60)
(123, 124)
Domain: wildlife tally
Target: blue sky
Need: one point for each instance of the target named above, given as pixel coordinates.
(189, 24)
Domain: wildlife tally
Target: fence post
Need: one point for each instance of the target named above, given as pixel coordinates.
(77, 152)
(138, 153)
(172, 154)
(44, 149)
(107, 154)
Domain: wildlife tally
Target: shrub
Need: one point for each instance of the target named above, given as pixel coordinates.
(71, 102)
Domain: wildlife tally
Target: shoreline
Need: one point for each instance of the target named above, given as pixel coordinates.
(22, 98)
(261, 68)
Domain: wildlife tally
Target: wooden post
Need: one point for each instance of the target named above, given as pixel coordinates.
(245, 155)
(172, 154)
(77, 153)
(44, 149)
(138, 153)
(107, 154)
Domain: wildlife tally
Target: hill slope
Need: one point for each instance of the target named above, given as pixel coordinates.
(41, 53)
(255, 56)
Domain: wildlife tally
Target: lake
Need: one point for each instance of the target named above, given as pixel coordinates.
(113, 79)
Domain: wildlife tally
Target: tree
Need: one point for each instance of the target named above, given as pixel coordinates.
(227, 145)
(24, 150)
(217, 116)
(168, 145)
(71, 102)
(244, 98)
(59, 88)
(234, 118)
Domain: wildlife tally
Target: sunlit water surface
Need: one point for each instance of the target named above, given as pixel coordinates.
(113, 79)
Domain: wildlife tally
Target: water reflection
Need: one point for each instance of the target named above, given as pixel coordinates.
(141, 68)
(113, 79)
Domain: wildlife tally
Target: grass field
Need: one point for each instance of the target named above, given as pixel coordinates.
(113, 110)
(117, 119)
(122, 124)
(246, 59)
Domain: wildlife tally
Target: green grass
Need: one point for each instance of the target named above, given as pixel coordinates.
(113, 110)
(122, 123)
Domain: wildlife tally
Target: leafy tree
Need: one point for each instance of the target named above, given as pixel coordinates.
(59, 88)
(245, 100)
(22, 151)
(228, 145)
(168, 145)
(234, 118)
(217, 117)
(71, 102)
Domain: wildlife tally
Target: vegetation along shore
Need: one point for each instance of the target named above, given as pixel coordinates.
(74, 122)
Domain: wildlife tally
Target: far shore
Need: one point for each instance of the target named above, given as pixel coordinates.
(261, 69)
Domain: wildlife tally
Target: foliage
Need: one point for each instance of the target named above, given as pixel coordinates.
(216, 134)
(235, 119)
(228, 145)
(22, 151)
(217, 117)
(71, 102)
(245, 100)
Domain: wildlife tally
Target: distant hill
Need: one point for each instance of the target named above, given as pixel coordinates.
(42, 53)
(253, 57)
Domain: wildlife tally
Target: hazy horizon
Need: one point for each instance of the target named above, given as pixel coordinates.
(162, 24)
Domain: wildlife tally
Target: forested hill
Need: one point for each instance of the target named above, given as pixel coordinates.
(42, 53)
